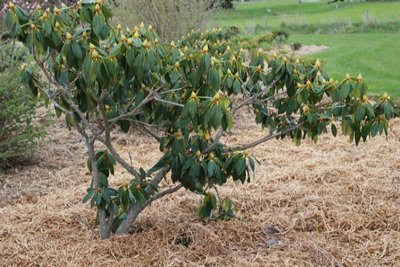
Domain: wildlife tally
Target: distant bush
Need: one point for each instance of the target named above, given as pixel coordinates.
(18, 132)
(170, 19)
(265, 40)
(225, 4)
(296, 46)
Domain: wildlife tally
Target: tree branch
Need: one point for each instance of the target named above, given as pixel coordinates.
(263, 139)
(168, 102)
(253, 97)
(165, 192)
(136, 110)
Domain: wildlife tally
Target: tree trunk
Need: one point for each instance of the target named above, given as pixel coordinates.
(134, 211)
(104, 229)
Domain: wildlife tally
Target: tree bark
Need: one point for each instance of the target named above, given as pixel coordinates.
(104, 229)
(134, 211)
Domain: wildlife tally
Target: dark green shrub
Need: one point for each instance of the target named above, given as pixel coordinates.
(296, 46)
(18, 132)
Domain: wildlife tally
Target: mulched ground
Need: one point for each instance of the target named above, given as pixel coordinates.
(324, 204)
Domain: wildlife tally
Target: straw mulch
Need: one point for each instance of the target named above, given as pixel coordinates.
(324, 204)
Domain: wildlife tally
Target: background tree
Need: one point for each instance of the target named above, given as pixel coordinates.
(183, 94)
(166, 17)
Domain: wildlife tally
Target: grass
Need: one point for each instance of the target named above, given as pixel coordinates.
(359, 41)
(372, 55)
(273, 13)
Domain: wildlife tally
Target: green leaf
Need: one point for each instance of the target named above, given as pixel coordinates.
(203, 212)
(388, 109)
(106, 196)
(77, 51)
(98, 24)
(213, 201)
(175, 75)
(252, 163)
(211, 166)
(124, 197)
(97, 199)
(11, 19)
(103, 180)
(47, 27)
(334, 130)
(344, 90)
(360, 113)
(130, 57)
(240, 166)
(90, 191)
(125, 125)
(236, 87)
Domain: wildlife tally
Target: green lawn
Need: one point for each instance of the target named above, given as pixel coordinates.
(375, 56)
(273, 13)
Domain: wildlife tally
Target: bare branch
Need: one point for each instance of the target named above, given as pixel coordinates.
(254, 97)
(168, 102)
(145, 129)
(166, 192)
(137, 109)
(118, 158)
(264, 139)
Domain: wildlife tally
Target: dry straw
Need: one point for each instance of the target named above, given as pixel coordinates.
(324, 204)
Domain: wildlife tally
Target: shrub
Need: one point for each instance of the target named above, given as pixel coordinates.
(295, 46)
(170, 19)
(18, 132)
(225, 4)
(183, 94)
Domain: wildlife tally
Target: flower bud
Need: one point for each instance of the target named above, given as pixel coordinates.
(56, 11)
(122, 38)
(317, 64)
(11, 6)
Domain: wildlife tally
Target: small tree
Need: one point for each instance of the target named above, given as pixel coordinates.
(19, 133)
(183, 95)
